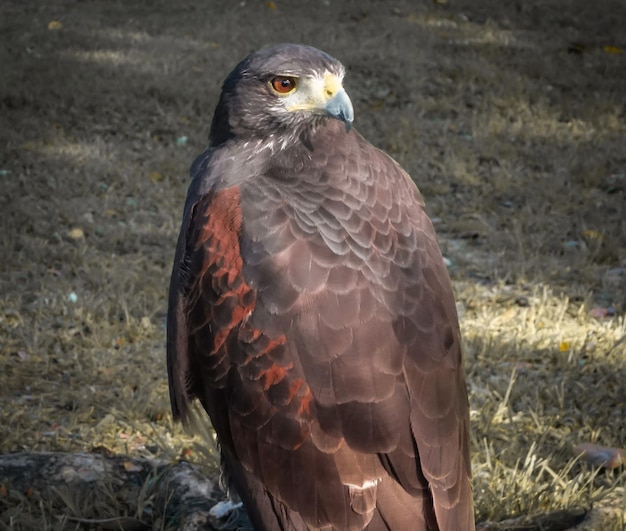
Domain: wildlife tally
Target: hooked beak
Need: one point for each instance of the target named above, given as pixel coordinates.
(322, 95)
(340, 108)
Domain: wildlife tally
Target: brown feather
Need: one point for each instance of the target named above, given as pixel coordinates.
(312, 314)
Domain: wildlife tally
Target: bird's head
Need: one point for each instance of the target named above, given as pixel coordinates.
(281, 90)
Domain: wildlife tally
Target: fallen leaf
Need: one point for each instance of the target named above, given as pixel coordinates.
(186, 452)
(55, 25)
(506, 316)
(603, 456)
(564, 346)
(271, 5)
(129, 466)
(592, 234)
(600, 313)
(616, 50)
(156, 177)
(76, 233)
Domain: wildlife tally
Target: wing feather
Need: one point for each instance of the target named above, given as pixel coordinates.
(313, 316)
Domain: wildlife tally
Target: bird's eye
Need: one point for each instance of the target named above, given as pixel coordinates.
(283, 84)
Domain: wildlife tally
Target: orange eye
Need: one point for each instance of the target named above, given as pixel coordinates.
(283, 84)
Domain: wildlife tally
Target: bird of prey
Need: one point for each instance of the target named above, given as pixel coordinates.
(312, 315)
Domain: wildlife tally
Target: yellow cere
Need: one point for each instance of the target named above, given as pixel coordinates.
(332, 85)
(313, 93)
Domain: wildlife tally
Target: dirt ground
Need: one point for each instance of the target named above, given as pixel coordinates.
(511, 118)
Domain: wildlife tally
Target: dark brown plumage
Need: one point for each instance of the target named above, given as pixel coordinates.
(312, 315)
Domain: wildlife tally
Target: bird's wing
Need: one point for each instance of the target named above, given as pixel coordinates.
(316, 322)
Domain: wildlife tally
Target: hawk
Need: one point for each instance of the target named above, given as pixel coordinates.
(311, 313)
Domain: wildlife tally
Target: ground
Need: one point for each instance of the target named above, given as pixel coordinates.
(511, 118)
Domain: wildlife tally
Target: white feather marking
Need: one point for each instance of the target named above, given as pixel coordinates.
(367, 484)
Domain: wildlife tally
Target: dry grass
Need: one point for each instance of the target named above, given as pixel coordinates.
(511, 119)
